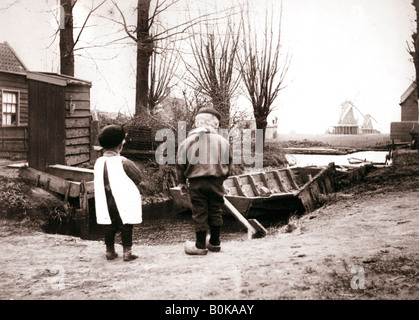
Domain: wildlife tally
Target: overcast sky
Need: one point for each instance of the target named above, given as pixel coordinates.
(341, 50)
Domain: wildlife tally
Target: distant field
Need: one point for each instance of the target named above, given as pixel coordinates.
(350, 141)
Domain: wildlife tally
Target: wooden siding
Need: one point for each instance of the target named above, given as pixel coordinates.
(77, 124)
(410, 111)
(16, 82)
(14, 140)
(400, 131)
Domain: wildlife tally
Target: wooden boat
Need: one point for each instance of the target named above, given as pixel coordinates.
(296, 189)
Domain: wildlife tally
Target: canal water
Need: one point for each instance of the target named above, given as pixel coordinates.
(324, 159)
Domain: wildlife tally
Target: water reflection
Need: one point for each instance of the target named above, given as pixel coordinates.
(304, 160)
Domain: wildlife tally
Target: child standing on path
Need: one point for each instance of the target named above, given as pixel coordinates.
(117, 198)
(204, 162)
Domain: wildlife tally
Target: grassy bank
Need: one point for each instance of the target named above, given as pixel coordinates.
(362, 141)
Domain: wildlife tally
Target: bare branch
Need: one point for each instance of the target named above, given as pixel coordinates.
(85, 21)
(125, 23)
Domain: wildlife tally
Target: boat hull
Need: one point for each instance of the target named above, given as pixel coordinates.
(284, 190)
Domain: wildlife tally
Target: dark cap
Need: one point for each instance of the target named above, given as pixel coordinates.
(111, 136)
(211, 111)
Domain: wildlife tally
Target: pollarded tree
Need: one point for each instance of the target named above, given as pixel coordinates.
(214, 74)
(262, 66)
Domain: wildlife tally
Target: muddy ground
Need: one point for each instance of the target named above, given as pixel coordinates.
(362, 244)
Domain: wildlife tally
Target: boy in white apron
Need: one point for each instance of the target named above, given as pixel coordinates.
(117, 198)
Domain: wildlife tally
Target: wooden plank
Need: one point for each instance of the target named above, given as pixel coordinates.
(50, 182)
(77, 141)
(77, 149)
(75, 88)
(291, 178)
(306, 199)
(5, 76)
(77, 132)
(253, 184)
(94, 134)
(77, 113)
(73, 160)
(13, 85)
(78, 105)
(13, 132)
(77, 96)
(246, 185)
(238, 186)
(77, 122)
(71, 173)
(280, 181)
(17, 145)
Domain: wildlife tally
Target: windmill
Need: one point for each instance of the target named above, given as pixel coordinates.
(348, 122)
(368, 125)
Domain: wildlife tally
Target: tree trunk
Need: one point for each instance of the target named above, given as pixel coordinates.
(144, 50)
(261, 123)
(221, 103)
(67, 40)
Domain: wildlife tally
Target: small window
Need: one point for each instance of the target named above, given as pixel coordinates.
(9, 108)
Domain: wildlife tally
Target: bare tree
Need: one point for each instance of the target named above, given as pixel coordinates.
(261, 68)
(215, 52)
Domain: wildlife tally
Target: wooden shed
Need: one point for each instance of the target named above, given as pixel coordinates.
(59, 120)
(46, 117)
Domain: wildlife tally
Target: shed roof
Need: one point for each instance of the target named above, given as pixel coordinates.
(9, 61)
(57, 79)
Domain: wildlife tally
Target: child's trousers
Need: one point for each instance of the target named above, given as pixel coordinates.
(126, 234)
(207, 202)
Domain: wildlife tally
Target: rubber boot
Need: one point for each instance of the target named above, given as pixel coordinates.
(110, 252)
(215, 236)
(200, 239)
(128, 256)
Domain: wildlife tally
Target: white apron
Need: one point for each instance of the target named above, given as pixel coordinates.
(125, 192)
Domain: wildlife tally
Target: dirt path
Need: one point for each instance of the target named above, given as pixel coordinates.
(317, 260)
